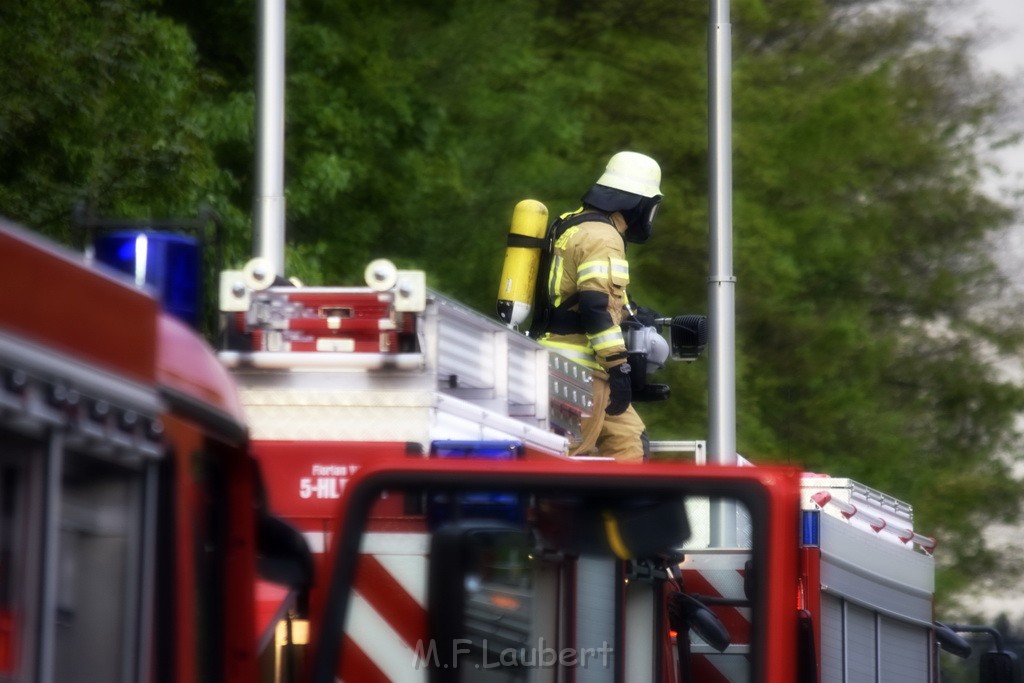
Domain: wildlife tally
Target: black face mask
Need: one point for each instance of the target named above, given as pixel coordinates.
(640, 221)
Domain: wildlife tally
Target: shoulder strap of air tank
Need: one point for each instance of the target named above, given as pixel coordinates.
(544, 312)
(517, 240)
(569, 220)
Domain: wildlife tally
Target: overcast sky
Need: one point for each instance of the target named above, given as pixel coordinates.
(1003, 53)
(1007, 16)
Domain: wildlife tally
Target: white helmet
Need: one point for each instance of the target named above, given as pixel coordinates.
(634, 173)
(631, 185)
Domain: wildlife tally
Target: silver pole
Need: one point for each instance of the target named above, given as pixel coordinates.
(268, 212)
(721, 282)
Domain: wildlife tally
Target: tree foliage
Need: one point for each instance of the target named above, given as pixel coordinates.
(869, 309)
(100, 104)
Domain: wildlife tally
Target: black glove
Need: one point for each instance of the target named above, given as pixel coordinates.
(620, 389)
(646, 316)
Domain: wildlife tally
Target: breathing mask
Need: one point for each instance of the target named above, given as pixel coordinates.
(640, 220)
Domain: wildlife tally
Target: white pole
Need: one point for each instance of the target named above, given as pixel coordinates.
(721, 282)
(268, 212)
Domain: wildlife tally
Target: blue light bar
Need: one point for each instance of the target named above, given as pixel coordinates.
(168, 264)
(477, 450)
(479, 505)
(810, 528)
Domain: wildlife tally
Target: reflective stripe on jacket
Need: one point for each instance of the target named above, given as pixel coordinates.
(590, 257)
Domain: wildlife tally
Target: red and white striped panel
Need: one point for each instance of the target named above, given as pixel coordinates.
(720, 575)
(385, 632)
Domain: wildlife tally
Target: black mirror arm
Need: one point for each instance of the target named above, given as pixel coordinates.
(974, 628)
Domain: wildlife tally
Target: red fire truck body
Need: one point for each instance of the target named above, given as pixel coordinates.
(425, 468)
(129, 501)
(848, 584)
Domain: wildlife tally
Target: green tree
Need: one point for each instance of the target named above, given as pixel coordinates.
(884, 314)
(99, 103)
(869, 309)
(412, 130)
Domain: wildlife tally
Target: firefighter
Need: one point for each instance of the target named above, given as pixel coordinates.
(586, 296)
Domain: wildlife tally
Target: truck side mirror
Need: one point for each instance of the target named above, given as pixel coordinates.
(999, 667)
(283, 557)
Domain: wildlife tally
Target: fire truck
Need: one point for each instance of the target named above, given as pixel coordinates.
(134, 533)
(420, 447)
(370, 483)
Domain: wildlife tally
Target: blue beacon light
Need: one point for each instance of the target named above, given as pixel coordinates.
(168, 264)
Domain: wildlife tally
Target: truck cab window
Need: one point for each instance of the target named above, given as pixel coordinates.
(10, 504)
(19, 553)
(77, 616)
(98, 570)
(210, 526)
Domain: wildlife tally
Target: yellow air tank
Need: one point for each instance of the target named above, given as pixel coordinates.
(522, 259)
